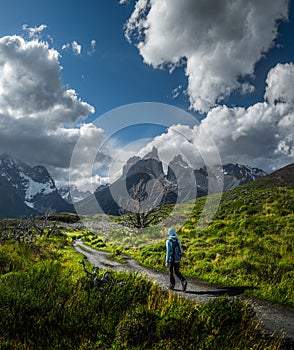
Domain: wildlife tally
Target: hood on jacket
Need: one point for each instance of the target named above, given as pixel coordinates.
(172, 234)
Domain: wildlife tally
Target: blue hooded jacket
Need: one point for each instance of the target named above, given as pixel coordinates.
(173, 237)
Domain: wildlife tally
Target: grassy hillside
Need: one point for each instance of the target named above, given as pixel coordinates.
(250, 241)
(47, 302)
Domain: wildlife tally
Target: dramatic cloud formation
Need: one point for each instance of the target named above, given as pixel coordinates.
(38, 114)
(219, 41)
(261, 135)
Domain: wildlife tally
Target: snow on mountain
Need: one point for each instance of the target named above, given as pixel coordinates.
(72, 194)
(238, 174)
(182, 181)
(32, 188)
(32, 185)
(11, 205)
(27, 181)
(179, 162)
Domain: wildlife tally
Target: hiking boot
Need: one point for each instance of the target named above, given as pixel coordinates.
(184, 285)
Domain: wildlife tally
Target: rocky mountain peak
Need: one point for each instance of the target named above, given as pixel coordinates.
(177, 168)
(33, 186)
(152, 154)
(150, 165)
(238, 174)
(182, 181)
(72, 194)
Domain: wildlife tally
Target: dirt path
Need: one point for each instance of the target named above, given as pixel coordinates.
(275, 320)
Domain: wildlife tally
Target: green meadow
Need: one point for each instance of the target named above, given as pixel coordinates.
(248, 243)
(47, 302)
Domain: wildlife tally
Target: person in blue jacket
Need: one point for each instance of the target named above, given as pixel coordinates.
(173, 258)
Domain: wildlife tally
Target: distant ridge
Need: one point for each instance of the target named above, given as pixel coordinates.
(281, 177)
(183, 183)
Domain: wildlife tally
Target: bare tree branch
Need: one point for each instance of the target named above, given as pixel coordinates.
(147, 203)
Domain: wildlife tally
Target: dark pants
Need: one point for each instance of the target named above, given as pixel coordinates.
(174, 267)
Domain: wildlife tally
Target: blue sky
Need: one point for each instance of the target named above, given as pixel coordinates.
(113, 75)
(228, 63)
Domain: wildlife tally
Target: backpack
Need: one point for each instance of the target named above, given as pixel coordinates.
(176, 253)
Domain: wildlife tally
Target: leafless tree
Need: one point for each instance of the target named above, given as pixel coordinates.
(44, 222)
(25, 230)
(145, 205)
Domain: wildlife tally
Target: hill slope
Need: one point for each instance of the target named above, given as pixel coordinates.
(281, 177)
(248, 243)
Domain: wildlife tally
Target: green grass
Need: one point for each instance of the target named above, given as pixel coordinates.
(249, 242)
(47, 302)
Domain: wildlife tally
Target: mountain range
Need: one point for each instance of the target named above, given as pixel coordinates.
(26, 190)
(180, 183)
(72, 194)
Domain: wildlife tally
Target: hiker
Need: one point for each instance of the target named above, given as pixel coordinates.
(173, 258)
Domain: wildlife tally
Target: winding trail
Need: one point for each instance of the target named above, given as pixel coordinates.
(275, 320)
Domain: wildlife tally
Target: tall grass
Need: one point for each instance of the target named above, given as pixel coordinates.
(46, 302)
(250, 242)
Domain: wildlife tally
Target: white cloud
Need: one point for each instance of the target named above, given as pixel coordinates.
(93, 47)
(38, 114)
(34, 31)
(261, 135)
(280, 84)
(252, 135)
(176, 92)
(30, 83)
(219, 40)
(93, 44)
(65, 47)
(76, 48)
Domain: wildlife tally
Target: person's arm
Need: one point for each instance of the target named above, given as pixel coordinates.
(168, 254)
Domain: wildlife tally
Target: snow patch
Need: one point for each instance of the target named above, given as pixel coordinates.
(32, 188)
(29, 204)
